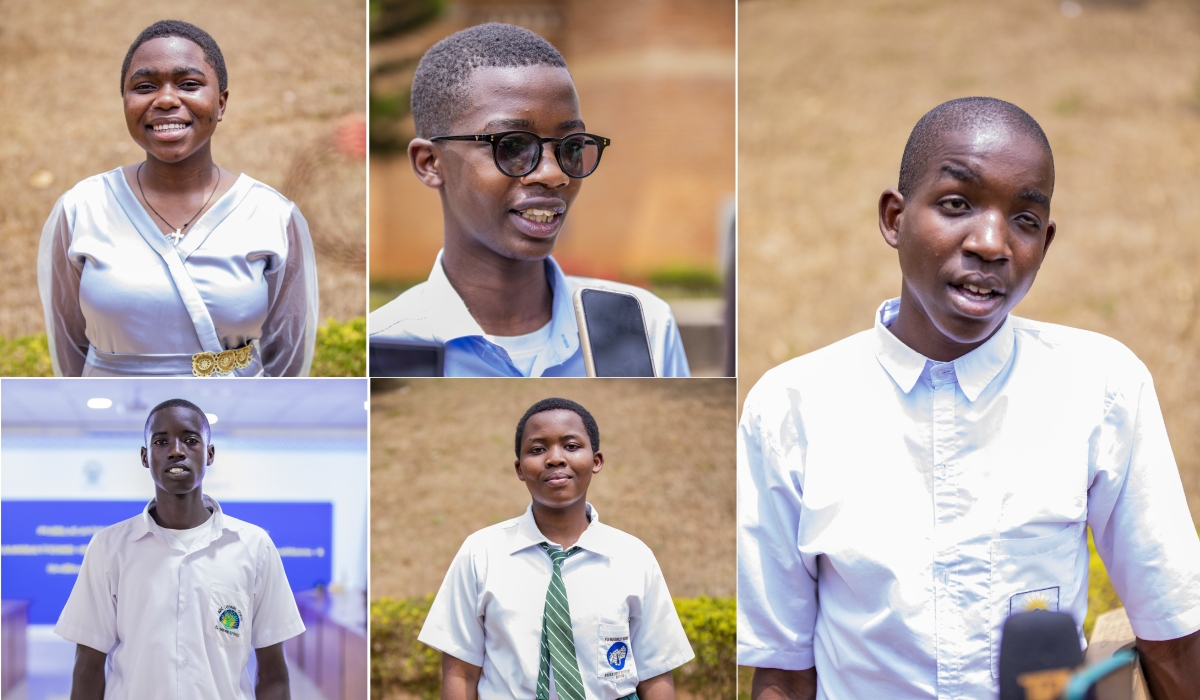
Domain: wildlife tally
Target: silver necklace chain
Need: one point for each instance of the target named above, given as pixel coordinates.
(177, 234)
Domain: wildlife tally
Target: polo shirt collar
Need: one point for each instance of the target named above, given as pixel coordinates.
(145, 525)
(974, 371)
(453, 319)
(594, 539)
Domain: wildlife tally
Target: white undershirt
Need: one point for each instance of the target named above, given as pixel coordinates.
(523, 349)
(189, 536)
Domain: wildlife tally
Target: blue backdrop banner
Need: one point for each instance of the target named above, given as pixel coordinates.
(43, 542)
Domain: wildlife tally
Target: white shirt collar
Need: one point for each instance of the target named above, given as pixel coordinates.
(145, 525)
(975, 370)
(594, 538)
(453, 319)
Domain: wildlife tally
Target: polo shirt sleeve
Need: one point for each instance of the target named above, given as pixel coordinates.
(777, 594)
(454, 625)
(276, 617)
(1139, 514)
(90, 615)
(659, 642)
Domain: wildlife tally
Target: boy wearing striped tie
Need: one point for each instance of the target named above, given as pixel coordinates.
(555, 604)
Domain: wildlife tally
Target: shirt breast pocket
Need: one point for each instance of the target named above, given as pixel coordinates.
(228, 616)
(614, 658)
(1032, 573)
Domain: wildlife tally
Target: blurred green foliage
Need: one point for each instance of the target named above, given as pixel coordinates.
(341, 352)
(341, 349)
(686, 280)
(392, 17)
(388, 107)
(27, 356)
(400, 663)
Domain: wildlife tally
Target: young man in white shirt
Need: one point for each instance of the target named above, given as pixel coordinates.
(173, 600)
(905, 490)
(555, 604)
(496, 299)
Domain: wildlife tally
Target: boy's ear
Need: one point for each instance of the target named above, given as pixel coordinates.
(425, 162)
(597, 462)
(145, 459)
(891, 208)
(517, 467)
(212, 450)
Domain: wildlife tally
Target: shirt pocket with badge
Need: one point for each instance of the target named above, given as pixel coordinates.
(229, 616)
(614, 652)
(1033, 573)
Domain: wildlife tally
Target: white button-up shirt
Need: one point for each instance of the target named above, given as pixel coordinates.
(893, 511)
(488, 611)
(175, 622)
(433, 311)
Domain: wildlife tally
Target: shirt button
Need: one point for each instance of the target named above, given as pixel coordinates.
(945, 577)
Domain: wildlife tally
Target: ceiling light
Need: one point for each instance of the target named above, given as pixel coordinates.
(99, 403)
(212, 418)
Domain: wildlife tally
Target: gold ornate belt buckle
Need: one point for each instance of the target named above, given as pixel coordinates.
(206, 364)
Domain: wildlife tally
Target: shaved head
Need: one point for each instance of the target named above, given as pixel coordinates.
(965, 113)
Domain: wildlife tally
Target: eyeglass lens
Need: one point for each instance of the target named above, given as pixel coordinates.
(516, 154)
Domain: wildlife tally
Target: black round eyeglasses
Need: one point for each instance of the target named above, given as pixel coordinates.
(518, 153)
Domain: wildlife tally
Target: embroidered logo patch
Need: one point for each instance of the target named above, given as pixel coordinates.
(229, 620)
(616, 655)
(1041, 599)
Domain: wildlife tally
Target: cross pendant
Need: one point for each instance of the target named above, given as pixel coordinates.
(176, 235)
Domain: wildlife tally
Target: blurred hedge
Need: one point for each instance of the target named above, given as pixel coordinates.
(341, 352)
(400, 663)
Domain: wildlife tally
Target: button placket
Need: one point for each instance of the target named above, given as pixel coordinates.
(947, 614)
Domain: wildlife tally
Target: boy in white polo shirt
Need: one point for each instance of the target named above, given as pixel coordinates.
(173, 600)
(903, 491)
(555, 604)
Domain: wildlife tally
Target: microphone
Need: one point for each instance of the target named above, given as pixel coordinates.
(1039, 650)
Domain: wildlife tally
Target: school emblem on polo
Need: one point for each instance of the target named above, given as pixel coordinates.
(616, 655)
(229, 620)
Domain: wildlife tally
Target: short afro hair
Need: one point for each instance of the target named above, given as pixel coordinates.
(589, 423)
(439, 87)
(963, 113)
(183, 30)
(179, 403)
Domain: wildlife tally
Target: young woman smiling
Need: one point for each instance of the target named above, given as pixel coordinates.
(176, 266)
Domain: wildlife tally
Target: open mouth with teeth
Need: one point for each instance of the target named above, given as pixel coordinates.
(974, 293)
(178, 471)
(541, 216)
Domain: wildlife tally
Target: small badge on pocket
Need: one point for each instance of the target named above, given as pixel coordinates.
(1028, 601)
(229, 621)
(616, 656)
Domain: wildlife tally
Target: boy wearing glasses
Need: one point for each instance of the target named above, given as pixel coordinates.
(499, 135)
(901, 493)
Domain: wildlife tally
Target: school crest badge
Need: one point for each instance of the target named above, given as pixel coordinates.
(1028, 601)
(616, 655)
(229, 621)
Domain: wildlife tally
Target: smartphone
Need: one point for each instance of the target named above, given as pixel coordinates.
(390, 357)
(612, 333)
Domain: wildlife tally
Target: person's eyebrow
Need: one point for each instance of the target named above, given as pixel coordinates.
(572, 124)
(962, 174)
(1034, 196)
(176, 71)
(508, 124)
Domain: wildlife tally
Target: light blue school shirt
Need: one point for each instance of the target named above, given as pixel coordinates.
(434, 312)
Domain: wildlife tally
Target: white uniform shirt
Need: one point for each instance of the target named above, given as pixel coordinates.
(433, 311)
(488, 611)
(893, 511)
(175, 622)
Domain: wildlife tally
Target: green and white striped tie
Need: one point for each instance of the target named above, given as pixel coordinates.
(558, 641)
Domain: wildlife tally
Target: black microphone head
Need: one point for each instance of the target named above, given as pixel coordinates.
(1037, 641)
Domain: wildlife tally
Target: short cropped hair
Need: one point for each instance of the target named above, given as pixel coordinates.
(183, 30)
(963, 113)
(179, 403)
(439, 88)
(589, 423)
